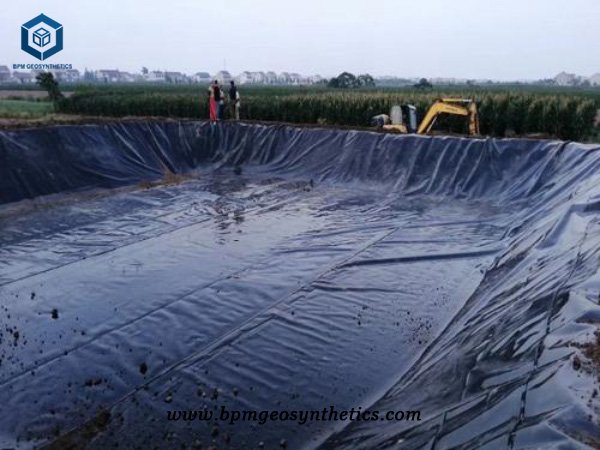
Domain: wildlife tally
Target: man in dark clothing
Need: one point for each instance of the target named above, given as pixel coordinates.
(234, 101)
(219, 99)
(217, 90)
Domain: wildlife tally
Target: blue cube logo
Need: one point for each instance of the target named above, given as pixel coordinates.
(42, 37)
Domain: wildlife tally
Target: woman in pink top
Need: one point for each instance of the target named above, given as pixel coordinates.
(213, 91)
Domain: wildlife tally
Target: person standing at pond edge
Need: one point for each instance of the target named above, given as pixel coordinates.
(220, 103)
(214, 95)
(234, 101)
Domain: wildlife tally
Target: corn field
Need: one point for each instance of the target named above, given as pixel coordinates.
(559, 115)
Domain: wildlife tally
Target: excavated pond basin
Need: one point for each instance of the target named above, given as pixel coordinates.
(287, 269)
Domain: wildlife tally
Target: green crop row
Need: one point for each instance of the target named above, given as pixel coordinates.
(501, 113)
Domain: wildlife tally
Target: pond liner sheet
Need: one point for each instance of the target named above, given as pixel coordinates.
(292, 269)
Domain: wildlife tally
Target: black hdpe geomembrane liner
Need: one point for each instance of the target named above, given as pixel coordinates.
(170, 266)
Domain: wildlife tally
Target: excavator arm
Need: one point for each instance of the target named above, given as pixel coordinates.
(454, 106)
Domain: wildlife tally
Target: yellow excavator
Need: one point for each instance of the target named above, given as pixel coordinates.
(403, 118)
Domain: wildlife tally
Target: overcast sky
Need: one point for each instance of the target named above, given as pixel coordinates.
(505, 39)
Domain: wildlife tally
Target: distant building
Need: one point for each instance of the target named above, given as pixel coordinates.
(566, 79)
(35, 73)
(23, 77)
(261, 77)
(247, 78)
(244, 78)
(138, 77)
(89, 75)
(391, 81)
(176, 77)
(67, 76)
(223, 77)
(315, 79)
(59, 75)
(297, 79)
(127, 77)
(289, 79)
(156, 76)
(109, 76)
(271, 78)
(73, 75)
(252, 78)
(4, 74)
(284, 78)
(201, 77)
(448, 81)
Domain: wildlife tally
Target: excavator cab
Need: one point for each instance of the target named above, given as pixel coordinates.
(402, 118)
(409, 114)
